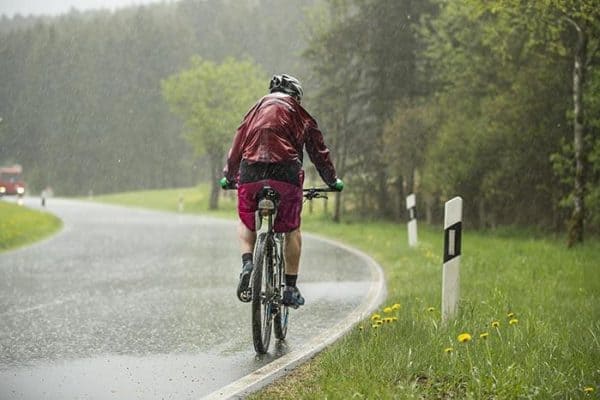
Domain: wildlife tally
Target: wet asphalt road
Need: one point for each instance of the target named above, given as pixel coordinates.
(133, 304)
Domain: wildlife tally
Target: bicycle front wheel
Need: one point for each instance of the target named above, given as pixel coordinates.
(280, 325)
(262, 294)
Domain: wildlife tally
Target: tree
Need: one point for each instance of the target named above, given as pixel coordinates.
(584, 19)
(211, 99)
(406, 137)
(335, 78)
(504, 75)
(571, 28)
(365, 64)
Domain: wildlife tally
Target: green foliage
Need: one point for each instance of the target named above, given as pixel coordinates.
(20, 226)
(470, 98)
(504, 73)
(365, 62)
(211, 98)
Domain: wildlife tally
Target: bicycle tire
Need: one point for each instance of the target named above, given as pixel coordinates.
(280, 320)
(262, 296)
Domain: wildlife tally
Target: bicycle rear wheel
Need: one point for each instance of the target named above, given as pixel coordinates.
(262, 294)
(280, 324)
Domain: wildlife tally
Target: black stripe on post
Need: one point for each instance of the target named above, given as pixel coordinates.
(412, 213)
(452, 241)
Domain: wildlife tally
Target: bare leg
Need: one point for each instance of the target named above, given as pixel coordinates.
(247, 238)
(292, 250)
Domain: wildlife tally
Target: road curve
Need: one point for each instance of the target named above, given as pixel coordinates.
(130, 303)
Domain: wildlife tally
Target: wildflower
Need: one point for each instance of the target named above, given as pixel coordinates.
(375, 317)
(387, 310)
(387, 320)
(588, 389)
(484, 335)
(513, 321)
(360, 328)
(510, 315)
(396, 307)
(464, 337)
(379, 322)
(448, 350)
(431, 309)
(375, 326)
(495, 324)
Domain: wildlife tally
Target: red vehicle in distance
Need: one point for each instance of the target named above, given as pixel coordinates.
(11, 181)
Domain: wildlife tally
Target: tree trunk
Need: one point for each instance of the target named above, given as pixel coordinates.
(401, 201)
(215, 167)
(341, 168)
(429, 199)
(382, 193)
(575, 225)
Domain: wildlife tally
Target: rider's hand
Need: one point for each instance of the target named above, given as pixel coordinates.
(225, 184)
(337, 185)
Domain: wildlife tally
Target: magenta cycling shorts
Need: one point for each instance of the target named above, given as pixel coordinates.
(288, 212)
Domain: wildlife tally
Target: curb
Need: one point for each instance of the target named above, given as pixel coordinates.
(286, 363)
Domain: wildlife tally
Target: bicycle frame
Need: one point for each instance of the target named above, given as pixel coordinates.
(267, 277)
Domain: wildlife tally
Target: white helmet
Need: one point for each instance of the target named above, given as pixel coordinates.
(286, 84)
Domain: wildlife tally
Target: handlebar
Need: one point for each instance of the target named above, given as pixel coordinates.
(317, 193)
(309, 193)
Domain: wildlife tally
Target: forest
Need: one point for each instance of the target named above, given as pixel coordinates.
(496, 101)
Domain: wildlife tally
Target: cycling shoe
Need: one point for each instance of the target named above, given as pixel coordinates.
(292, 297)
(243, 293)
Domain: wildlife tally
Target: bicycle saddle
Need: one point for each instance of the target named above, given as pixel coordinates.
(267, 198)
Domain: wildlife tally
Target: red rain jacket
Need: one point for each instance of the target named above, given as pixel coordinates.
(277, 129)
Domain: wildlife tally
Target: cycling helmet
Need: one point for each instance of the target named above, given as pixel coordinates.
(286, 84)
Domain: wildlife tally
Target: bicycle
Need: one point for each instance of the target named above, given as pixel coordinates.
(267, 281)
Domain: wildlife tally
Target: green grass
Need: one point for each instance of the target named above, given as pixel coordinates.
(194, 200)
(20, 226)
(553, 351)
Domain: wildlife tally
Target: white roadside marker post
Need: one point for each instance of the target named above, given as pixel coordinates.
(452, 252)
(411, 206)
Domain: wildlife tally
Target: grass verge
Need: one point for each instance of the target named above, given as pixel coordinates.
(529, 318)
(20, 226)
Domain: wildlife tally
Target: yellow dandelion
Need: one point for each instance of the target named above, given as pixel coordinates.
(484, 335)
(387, 310)
(431, 309)
(360, 328)
(375, 317)
(495, 324)
(588, 389)
(387, 320)
(379, 322)
(396, 307)
(510, 315)
(513, 321)
(464, 337)
(448, 350)
(375, 326)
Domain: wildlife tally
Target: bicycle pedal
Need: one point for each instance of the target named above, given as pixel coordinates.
(246, 296)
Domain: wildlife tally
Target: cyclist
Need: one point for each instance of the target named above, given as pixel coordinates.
(268, 150)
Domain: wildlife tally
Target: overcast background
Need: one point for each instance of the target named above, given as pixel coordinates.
(55, 7)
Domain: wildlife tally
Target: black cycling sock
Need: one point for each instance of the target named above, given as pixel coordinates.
(290, 280)
(246, 257)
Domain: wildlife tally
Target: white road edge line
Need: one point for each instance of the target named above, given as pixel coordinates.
(284, 364)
